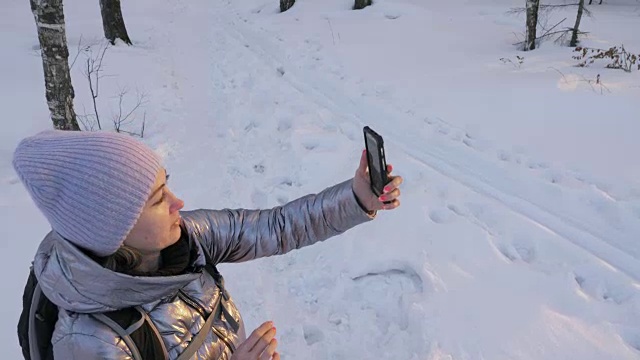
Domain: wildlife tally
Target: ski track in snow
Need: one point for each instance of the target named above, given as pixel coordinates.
(520, 185)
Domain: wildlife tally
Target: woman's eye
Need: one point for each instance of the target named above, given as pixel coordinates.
(162, 199)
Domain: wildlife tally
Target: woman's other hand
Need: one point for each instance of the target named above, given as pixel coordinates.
(260, 345)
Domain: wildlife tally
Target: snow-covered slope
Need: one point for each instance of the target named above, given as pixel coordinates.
(517, 237)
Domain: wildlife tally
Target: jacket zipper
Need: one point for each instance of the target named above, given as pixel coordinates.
(187, 299)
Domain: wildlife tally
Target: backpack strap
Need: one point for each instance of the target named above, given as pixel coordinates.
(199, 339)
(153, 327)
(37, 321)
(213, 271)
(33, 336)
(124, 334)
(196, 342)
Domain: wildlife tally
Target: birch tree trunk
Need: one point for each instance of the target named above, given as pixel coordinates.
(574, 35)
(49, 17)
(361, 4)
(532, 22)
(113, 22)
(286, 5)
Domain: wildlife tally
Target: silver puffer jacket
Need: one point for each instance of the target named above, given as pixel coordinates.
(79, 286)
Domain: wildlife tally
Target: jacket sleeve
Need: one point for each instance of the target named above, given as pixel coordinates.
(241, 235)
(77, 346)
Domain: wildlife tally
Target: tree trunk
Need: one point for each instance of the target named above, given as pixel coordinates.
(532, 22)
(574, 35)
(113, 22)
(49, 17)
(361, 4)
(286, 5)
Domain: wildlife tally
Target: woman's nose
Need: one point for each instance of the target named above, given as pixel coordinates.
(176, 204)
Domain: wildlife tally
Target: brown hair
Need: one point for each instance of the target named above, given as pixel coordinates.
(125, 260)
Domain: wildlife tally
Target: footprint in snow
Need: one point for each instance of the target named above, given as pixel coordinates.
(340, 321)
(259, 168)
(554, 176)
(310, 144)
(317, 141)
(476, 144)
(440, 216)
(506, 251)
(537, 165)
(312, 334)
(284, 124)
(504, 156)
(384, 292)
(285, 181)
(631, 336)
(252, 125)
(406, 273)
(525, 247)
(457, 210)
(282, 186)
(520, 249)
(603, 290)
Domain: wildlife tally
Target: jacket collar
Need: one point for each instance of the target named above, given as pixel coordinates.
(75, 282)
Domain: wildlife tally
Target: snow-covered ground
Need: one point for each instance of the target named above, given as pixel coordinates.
(518, 234)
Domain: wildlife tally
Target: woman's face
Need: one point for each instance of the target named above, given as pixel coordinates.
(159, 224)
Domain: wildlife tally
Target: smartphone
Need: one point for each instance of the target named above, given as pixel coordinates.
(376, 160)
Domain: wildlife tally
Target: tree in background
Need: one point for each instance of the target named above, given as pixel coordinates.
(113, 22)
(536, 18)
(576, 27)
(286, 5)
(532, 22)
(49, 18)
(361, 4)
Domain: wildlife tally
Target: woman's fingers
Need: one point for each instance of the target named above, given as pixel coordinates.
(257, 334)
(263, 342)
(260, 345)
(270, 350)
(394, 204)
(392, 195)
(393, 184)
(362, 168)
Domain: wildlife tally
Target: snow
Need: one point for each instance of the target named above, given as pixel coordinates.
(517, 237)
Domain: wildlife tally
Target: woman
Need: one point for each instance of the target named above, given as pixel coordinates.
(119, 240)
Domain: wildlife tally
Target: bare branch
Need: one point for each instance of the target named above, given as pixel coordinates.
(99, 67)
(122, 118)
(331, 28)
(77, 53)
(551, 33)
(554, 7)
(94, 93)
(553, 27)
(141, 101)
(542, 8)
(516, 11)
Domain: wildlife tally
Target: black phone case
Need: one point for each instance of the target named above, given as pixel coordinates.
(378, 147)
